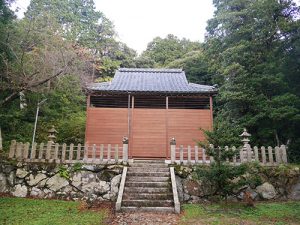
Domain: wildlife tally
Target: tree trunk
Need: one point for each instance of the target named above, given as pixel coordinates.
(277, 138)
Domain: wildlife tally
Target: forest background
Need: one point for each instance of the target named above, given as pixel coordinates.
(251, 51)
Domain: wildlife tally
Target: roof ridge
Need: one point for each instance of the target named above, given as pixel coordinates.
(158, 70)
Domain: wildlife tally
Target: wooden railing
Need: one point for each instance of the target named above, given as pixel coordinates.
(196, 155)
(62, 153)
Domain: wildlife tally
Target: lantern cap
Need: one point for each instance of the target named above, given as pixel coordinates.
(245, 133)
(52, 130)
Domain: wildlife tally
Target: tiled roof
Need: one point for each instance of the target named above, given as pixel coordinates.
(151, 80)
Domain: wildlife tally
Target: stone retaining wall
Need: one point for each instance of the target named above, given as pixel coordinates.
(72, 182)
(276, 184)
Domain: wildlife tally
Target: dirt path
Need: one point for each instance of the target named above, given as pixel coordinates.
(145, 218)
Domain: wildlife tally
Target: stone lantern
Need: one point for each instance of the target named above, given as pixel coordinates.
(245, 135)
(52, 132)
(246, 152)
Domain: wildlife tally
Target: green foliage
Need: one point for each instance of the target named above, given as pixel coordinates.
(238, 213)
(64, 108)
(227, 178)
(195, 66)
(249, 46)
(34, 211)
(76, 167)
(223, 176)
(64, 172)
(165, 50)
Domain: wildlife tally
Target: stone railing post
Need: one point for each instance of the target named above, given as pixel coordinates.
(173, 150)
(125, 149)
(12, 149)
(283, 154)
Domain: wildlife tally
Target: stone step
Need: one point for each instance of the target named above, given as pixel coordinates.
(147, 184)
(150, 174)
(147, 179)
(147, 196)
(147, 169)
(147, 165)
(153, 161)
(147, 190)
(148, 203)
(148, 209)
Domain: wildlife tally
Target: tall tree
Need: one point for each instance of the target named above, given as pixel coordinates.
(42, 56)
(83, 25)
(165, 50)
(195, 66)
(249, 44)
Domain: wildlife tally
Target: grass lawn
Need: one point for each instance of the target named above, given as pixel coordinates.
(40, 212)
(278, 213)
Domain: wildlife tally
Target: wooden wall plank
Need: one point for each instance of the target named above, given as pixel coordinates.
(106, 125)
(149, 133)
(184, 125)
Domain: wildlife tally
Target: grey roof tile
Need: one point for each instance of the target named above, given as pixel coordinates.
(151, 80)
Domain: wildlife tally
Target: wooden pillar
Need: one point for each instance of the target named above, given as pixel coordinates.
(211, 111)
(128, 116)
(167, 129)
(88, 100)
(131, 129)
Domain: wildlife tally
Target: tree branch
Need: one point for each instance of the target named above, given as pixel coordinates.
(29, 87)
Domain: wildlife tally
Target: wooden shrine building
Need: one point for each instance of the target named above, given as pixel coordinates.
(149, 106)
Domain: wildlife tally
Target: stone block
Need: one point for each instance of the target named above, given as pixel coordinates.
(20, 191)
(34, 180)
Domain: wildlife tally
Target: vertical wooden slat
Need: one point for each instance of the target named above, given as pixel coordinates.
(78, 153)
(101, 152)
(108, 152)
(33, 151)
(12, 149)
(256, 154)
(181, 153)
(234, 156)
(283, 153)
(189, 154)
(56, 152)
(26, 150)
(270, 153)
(197, 154)
(94, 153)
(48, 150)
(63, 152)
(116, 153)
(263, 155)
(41, 151)
(71, 152)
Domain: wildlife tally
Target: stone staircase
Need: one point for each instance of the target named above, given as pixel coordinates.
(148, 187)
